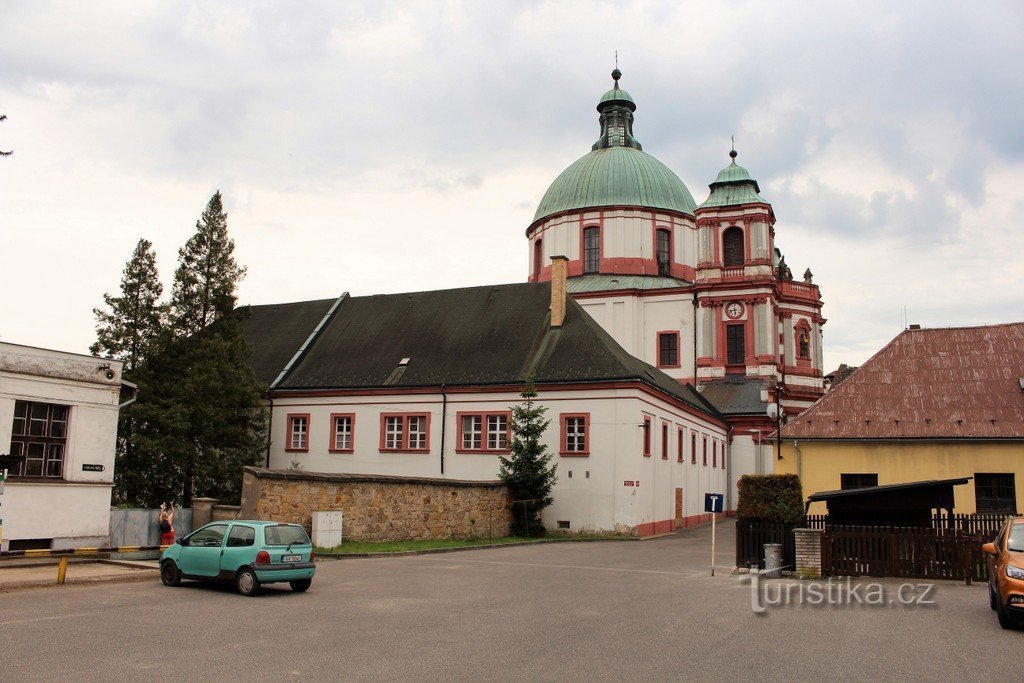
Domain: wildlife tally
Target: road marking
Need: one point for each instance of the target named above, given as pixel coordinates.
(573, 566)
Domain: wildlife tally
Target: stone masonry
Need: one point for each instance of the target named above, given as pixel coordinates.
(808, 553)
(379, 507)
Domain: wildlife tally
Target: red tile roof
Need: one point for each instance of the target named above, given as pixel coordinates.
(940, 383)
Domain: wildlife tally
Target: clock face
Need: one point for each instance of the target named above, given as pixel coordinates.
(734, 310)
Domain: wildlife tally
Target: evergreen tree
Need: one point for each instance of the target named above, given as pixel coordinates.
(207, 274)
(127, 330)
(528, 471)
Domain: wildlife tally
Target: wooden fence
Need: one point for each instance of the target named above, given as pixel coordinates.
(751, 537)
(902, 552)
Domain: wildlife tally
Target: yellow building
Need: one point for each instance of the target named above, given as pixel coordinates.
(932, 404)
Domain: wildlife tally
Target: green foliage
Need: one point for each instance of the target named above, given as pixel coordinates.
(528, 471)
(770, 498)
(199, 417)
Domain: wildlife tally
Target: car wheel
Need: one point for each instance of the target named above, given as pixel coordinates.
(301, 586)
(169, 573)
(247, 582)
(993, 601)
(1005, 620)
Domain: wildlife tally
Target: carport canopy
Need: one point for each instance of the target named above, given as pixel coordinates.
(909, 504)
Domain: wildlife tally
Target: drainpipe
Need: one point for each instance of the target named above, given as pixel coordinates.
(135, 394)
(799, 461)
(444, 420)
(693, 299)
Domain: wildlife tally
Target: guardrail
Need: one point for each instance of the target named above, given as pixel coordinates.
(65, 553)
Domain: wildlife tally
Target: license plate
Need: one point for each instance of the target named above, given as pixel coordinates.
(291, 558)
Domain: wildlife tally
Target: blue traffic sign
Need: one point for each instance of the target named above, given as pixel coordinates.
(714, 502)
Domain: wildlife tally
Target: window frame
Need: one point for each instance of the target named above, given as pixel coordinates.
(664, 440)
(1009, 484)
(332, 444)
(538, 257)
(680, 442)
(667, 270)
(728, 262)
(693, 447)
(659, 350)
(484, 431)
(404, 447)
(563, 449)
(591, 266)
(647, 436)
(714, 454)
(742, 342)
(847, 480)
(46, 440)
(290, 421)
(705, 450)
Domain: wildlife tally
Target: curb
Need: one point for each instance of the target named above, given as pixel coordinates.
(141, 575)
(434, 551)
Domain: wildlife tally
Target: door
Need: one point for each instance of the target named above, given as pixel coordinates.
(238, 550)
(201, 557)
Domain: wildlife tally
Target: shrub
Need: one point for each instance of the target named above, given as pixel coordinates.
(770, 498)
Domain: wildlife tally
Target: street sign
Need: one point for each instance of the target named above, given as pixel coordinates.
(714, 502)
(91, 468)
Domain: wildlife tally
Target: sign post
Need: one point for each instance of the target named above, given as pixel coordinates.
(713, 503)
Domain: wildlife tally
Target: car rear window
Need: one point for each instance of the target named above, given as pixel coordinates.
(1016, 542)
(285, 534)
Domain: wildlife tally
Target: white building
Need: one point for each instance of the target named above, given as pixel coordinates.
(60, 411)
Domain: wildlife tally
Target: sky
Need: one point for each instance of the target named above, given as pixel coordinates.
(383, 147)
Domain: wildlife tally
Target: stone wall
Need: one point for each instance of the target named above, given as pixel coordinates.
(379, 507)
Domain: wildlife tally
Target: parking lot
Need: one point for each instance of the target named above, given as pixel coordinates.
(600, 611)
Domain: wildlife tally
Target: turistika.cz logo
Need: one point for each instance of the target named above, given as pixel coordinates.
(842, 592)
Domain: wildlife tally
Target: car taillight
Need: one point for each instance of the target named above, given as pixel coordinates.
(263, 557)
(312, 555)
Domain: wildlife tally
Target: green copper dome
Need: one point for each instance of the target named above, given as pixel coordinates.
(614, 176)
(617, 172)
(733, 187)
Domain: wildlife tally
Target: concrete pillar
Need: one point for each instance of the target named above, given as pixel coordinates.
(202, 511)
(808, 553)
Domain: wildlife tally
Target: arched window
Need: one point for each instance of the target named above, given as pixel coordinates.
(591, 249)
(732, 247)
(663, 239)
(538, 257)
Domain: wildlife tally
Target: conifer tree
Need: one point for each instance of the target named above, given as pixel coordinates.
(527, 471)
(128, 327)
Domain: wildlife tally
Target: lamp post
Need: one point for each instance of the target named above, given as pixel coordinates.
(774, 411)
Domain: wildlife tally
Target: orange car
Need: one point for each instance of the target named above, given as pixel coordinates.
(1006, 572)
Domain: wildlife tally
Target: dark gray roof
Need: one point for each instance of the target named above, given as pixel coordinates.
(277, 332)
(474, 336)
(873, 490)
(736, 395)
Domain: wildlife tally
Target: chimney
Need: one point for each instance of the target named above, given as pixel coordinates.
(559, 264)
(915, 327)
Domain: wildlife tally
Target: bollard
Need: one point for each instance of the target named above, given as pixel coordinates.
(62, 569)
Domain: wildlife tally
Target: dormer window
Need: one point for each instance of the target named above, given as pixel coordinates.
(591, 249)
(732, 247)
(663, 245)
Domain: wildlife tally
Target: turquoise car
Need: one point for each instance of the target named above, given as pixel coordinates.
(247, 553)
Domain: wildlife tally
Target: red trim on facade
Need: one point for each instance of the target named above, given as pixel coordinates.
(351, 435)
(693, 447)
(288, 443)
(563, 451)
(680, 441)
(705, 450)
(647, 436)
(484, 433)
(604, 210)
(404, 448)
(664, 440)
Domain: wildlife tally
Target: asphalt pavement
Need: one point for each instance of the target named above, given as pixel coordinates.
(579, 611)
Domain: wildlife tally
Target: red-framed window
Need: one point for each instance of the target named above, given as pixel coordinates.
(705, 451)
(714, 453)
(723, 455)
(40, 433)
(405, 432)
(591, 249)
(575, 434)
(343, 433)
(647, 437)
(298, 432)
(732, 247)
(679, 444)
(693, 448)
(735, 344)
(663, 250)
(668, 349)
(484, 432)
(664, 441)
(538, 257)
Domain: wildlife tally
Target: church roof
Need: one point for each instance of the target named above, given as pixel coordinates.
(733, 187)
(612, 283)
(942, 383)
(492, 335)
(737, 395)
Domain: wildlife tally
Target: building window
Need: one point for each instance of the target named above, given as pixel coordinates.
(298, 432)
(664, 441)
(714, 453)
(679, 444)
(484, 432)
(538, 257)
(693, 448)
(342, 428)
(664, 251)
(647, 437)
(591, 250)
(858, 480)
(575, 437)
(40, 433)
(405, 432)
(732, 247)
(995, 493)
(705, 451)
(668, 349)
(734, 345)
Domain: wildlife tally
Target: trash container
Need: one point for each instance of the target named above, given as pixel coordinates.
(772, 560)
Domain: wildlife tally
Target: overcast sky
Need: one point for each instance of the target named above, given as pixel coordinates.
(383, 147)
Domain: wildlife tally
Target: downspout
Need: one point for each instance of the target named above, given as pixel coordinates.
(135, 394)
(696, 339)
(799, 461)
(444, 421)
